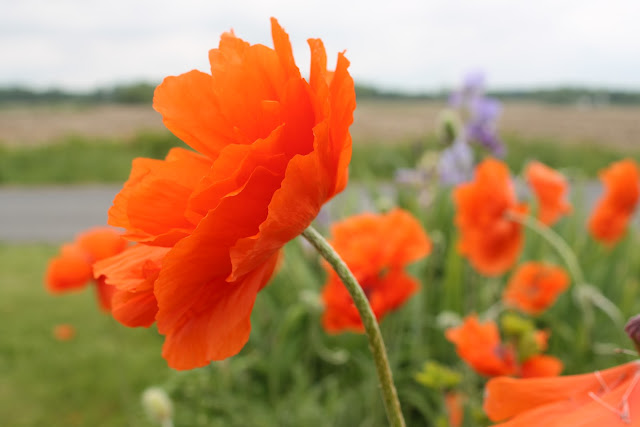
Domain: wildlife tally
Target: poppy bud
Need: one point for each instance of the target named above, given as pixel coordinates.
(632, 329)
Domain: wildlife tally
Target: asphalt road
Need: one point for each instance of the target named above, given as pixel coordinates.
(52, 214)
(57, 214)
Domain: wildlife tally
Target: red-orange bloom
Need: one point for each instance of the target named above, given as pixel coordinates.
(376, 248)
(479, 345)
(611, 215)
(72, 269)
(488, 238)
(535, 286)
(271, 147)
(602, 398)
(550, 188)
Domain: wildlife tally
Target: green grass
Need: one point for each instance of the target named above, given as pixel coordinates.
(92, 380)
(291, 372)
(77, 160)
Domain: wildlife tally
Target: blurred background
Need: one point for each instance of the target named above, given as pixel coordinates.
(76, 89)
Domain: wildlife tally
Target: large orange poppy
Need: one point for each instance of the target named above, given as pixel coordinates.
(535, 286)
(602, 398)
(550, 188)
(272, 147)
(376, 248)
(488, 238)
(72, 269)
(611, 215)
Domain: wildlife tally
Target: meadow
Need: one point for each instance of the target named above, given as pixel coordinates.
(292, 372)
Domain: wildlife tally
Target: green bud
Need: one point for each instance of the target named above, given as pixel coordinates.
(437, 376)
(448, 126)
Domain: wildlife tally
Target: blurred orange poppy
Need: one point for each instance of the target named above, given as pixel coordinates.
(272, 148)
(64, 332)
(602, 398)
(611, 214)
(72, 269)
(535, 286)
(550, 188)
(479, 345)
(488, 238)
(376, 248)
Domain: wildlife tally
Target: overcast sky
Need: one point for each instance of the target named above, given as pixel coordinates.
(395, 44)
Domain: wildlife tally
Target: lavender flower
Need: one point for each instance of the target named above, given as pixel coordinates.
(481, 113)
(456, 163)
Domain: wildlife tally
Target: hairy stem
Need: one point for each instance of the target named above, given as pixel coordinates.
(376, 344)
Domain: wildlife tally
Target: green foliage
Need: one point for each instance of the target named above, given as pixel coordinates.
(84, 160)
(80, 160)
(95, 379)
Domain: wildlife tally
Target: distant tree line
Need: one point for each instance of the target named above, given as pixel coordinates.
(136, 93)
(142, 93)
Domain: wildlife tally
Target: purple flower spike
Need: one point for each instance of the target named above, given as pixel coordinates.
(456, 163)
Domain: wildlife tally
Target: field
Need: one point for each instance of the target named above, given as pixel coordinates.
(375, 121)
(292, 372)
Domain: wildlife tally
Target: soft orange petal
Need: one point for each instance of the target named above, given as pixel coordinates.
(159, 186)
(507, 397)
(535, 286)
(550, 188)
(101, 242)
(610, 217)
(219, 313)
(68, 271)
(190, 110)
(541, 366)
(488, 238)
(134, 309)
(132, 275)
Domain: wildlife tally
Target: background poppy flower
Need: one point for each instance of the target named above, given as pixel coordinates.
(378, 267)
(602, 398)
(72, 269)
(488, 238)
(535, 286)
(611, 215)
(64, 332)
(479, 345)
(550, 188)
(271, 147)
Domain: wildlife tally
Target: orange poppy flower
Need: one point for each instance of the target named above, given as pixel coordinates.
(271, 147)
(72, 269)
(550, 188)
(378, 267)
(611, 215)
(488, 238)
(535, 286)
(602, 398)
(479, 345)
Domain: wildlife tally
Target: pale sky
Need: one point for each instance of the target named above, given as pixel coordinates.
(394, 44)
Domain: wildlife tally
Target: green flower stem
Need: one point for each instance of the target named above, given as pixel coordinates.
(376, 344)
